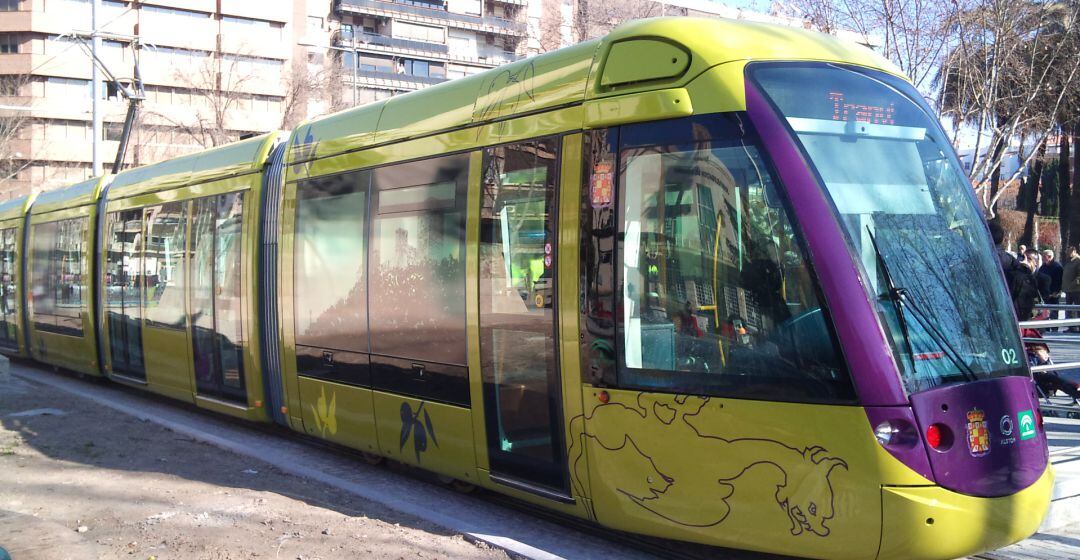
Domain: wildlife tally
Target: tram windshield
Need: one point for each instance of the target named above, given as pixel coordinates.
(909, 216)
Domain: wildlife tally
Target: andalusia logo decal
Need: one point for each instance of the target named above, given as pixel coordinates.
(978, 435)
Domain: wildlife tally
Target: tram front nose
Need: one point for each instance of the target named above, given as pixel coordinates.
(983, 438)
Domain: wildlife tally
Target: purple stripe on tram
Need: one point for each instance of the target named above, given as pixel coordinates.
(866, 349)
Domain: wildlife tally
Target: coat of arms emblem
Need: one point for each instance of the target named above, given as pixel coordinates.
(978, 435)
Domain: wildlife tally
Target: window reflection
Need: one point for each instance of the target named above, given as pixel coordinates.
(330, 284)
(715, 294)
(164, 265)
(58, 279)
(417, 261)
(8, 292)
(517, 318)
(123, 288)
(216, 289)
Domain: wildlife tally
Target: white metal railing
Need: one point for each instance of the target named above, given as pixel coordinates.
(1050, 404)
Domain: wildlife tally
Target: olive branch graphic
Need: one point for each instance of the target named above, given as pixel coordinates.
(411, 424)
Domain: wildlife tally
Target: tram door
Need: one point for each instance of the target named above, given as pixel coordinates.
(123, 291)
(519, 363)
(216, 288)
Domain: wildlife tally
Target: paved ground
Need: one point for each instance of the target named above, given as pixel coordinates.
(80, 478)
(80, 481)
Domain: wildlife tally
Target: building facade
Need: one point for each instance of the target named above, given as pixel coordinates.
(372, 49)
(214, 71)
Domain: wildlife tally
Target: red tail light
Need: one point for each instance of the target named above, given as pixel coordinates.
(1039, 418)
(933, 436)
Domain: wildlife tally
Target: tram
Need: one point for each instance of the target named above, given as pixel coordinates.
(712, 281)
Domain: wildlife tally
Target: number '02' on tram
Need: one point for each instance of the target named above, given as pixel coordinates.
(706, 280)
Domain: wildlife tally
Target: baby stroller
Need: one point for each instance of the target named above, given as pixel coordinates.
(1050, 382)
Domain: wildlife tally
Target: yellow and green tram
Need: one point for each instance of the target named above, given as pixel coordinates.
(706, 280)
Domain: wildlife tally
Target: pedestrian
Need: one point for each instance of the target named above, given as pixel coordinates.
(1005, 258)
(1021, 283)
(1042, 280)
(1053, 269)
(1070, 284)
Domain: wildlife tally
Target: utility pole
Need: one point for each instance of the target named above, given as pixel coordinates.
(95, 88)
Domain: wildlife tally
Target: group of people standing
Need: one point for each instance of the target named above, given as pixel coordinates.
(1051, 279)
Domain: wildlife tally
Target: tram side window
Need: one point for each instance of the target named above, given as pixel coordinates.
(58, 280)
(163, 259)
(716, 294)
(216, 295)
(418, 260)
(8, 297)
(330, 279)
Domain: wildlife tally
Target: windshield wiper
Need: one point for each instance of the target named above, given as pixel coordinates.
(901, 301)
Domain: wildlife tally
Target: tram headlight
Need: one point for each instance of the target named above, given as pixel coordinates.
(886, 432)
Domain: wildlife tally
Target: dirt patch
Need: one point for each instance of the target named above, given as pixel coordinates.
(78, 480)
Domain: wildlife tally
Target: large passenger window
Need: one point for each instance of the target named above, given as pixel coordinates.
(714, 293)
(330, 278)
(58, 276)
(417, 284)
(163, 296)
(418, 260)
(8, 291)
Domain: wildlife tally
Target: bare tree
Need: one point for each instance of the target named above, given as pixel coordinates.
(15, 122)
(217, 89)
(595, 18)
(1008, 75)
(304, 86)
(913, 34)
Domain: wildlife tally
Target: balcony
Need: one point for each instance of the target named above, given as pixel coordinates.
(354, 39)
(418, 11)
(392, 79)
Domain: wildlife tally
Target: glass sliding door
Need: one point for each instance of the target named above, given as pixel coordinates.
(8, 293)
(517, 313)
(217, 337)
(123, 289)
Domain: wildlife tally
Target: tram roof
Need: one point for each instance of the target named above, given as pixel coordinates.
(16, 207)
(79, 194)
(238, 158)
(639, 56)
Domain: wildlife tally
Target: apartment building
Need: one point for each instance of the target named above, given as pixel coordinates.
(373, 49)
(213, 70)
(216, 70)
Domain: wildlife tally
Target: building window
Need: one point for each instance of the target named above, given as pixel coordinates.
(67, 88)
(371, 63)
(314, 25)
(420, 68)
(346, 31)
(9, 43)
(9, 85)
(175, 12)
(9, 5)
(112, 131)
(415, 32)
